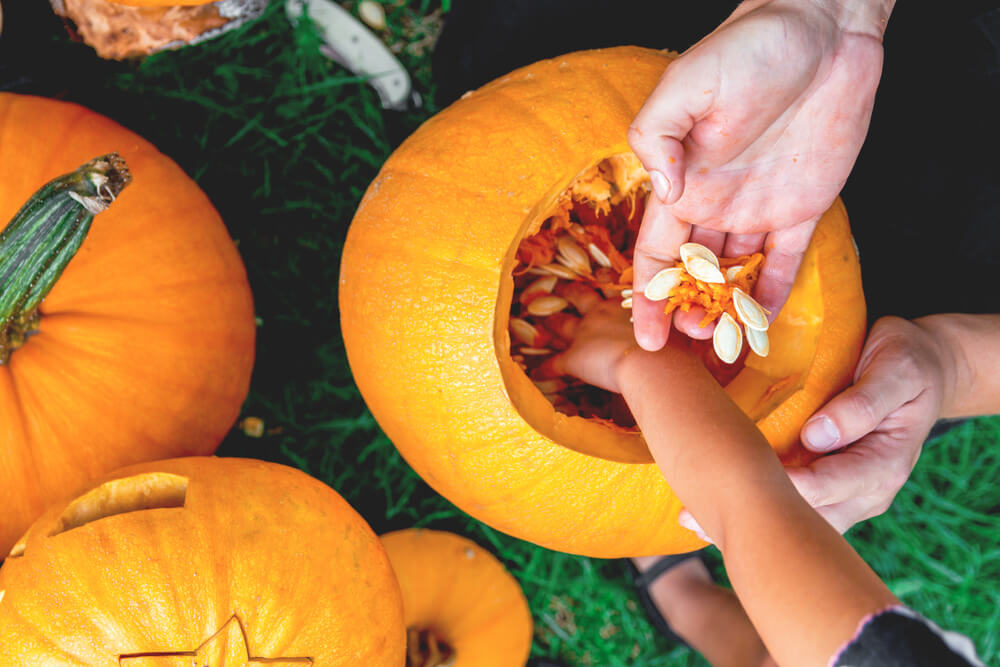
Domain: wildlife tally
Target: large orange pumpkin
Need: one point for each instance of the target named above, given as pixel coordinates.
(461, 606)
(144, 347)
(426, 295)
(201, 561)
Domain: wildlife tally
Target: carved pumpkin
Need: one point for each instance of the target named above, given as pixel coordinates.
(461, 606)
(201, 561)
(143, 348)
(427, 297)
(119, 29)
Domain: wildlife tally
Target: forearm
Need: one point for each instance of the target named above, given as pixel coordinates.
(969, 348)
(801, 584)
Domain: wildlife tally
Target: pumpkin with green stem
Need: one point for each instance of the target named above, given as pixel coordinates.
(125, 335)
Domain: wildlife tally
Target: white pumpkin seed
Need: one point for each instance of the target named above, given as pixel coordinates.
(550, 386)
(703, 270)
(546, 284)
(626, 293)
(572, 256)
(732, 272)
(751, 313)
(534, 351)
(662, 284)
(599, 256)
(727, 339)
(758, 342)
(547, 305)
(627, 303)
(557, 270)
(523, 330)
(689, 250)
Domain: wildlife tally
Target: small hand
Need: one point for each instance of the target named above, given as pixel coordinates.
(748, 138)
(879, 423)
(603, 338)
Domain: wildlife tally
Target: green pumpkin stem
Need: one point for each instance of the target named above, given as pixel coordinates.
(43, 237)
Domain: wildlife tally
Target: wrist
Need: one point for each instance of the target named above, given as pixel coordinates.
(866, 17)
(624, 363)
(956, 371)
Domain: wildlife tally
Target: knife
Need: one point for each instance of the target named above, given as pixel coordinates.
(348, 42)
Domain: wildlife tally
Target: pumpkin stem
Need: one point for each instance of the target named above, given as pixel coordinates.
(43, 237)
(424, 648)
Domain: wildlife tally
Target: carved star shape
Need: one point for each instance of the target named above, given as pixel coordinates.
(228, 647)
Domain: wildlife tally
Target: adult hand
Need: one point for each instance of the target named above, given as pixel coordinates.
(748, 138)
(903, 383)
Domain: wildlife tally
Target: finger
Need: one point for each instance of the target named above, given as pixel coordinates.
(656, 248)
(743, 244)
(712, 239)
(862, 407)
(834, 479)
(842, 516)
(783, 251)
(666, 118)
(689, 323)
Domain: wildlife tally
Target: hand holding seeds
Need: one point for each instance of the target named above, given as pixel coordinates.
(748, 138)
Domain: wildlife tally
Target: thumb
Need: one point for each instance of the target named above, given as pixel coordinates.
(662, 123)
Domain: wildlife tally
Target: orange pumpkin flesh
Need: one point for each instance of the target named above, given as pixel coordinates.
(426, 293)
(461, 606)
(213, 561)
(145, 344)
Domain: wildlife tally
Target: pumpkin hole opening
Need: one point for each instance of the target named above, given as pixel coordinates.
(148, 491)
(579, 249)
(426, 648)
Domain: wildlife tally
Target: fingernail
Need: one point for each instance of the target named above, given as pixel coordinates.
(687, 521)
(821, 434)
(661, 186)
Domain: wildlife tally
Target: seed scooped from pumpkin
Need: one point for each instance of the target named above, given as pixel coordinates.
(588, 240)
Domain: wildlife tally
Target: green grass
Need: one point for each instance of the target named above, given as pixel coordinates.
(284, 142)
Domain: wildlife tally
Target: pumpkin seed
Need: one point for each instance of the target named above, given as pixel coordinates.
(701, 269)
(550, 386)
(627, 303)
(523, 330)
(372, 13)
(534, 351)
(689, 250)
(553, 269)
(599, 256)
(572, 256)
(626, 293)
(758, 342)
(662, 284)
(727, 339)
(751, 313)
(547, 305)
(732, 272)
(546, 283)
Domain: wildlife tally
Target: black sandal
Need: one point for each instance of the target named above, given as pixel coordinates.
(642, 581)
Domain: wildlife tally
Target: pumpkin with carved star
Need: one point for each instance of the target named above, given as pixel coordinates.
(201, 561)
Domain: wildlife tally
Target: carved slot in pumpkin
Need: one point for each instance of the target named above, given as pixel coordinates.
(156, 490)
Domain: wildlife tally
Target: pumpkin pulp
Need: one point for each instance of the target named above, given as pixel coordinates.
(587, 237)
(43, 237)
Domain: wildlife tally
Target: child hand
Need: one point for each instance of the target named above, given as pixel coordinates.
(603, 338)
(880, 421)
